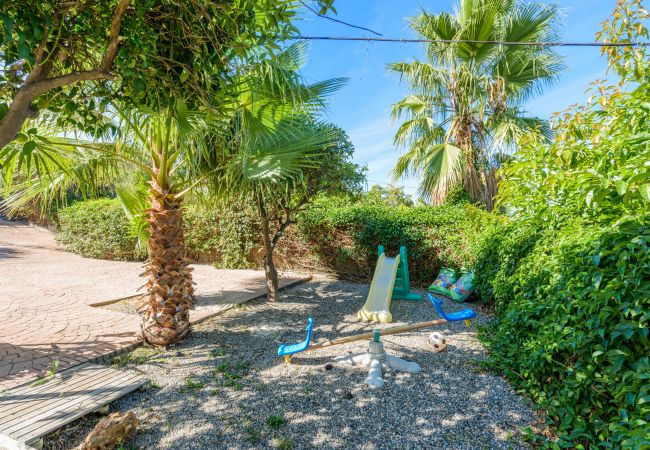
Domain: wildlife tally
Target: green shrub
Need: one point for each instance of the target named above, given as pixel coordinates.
(499, 249)
(100, 229)
(201, 230)
(571, 273)
(345, 239)
(572, 328)
(97, 229)
(225, 237)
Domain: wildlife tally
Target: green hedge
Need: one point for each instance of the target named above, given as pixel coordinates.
(224, 237)
(100, 229)
(97, 229)
(341, 239)
(573, 314)
(345, 239)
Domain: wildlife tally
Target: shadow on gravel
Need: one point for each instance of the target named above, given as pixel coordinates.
(225, 388)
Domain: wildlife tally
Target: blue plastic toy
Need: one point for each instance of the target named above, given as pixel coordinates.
(466, 314)
(288, 350)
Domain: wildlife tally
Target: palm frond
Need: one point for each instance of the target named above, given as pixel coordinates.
(133, 199)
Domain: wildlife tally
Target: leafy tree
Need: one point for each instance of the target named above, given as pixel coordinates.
(570, 274)
(596, 167)
(75, 57)
(303, 157)
(392, 196)
(328, 170)
(168, 144)
(464, 112)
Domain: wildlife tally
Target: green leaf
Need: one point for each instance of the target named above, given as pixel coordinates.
(185, 74)
(29, 146)
(644, 190)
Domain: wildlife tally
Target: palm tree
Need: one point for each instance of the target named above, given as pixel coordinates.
(464, 113)
(153, 143)
(170, 148)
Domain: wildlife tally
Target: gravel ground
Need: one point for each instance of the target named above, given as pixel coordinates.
(224, 388)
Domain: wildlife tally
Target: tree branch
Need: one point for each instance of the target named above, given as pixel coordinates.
(278, 234)
(40, 87)
(36, 84)
(114, 36)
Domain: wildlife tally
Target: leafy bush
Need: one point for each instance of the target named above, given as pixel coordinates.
(97, 229)
(101, 229)
(499, 250)
(572, 329)
(345, 239)
(201, 231)
(225, 237)
(570, 270)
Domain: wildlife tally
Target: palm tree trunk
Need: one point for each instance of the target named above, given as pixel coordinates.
(165, 315)
(490, 188)
(272, 289)
(473, 184)
(471, 177)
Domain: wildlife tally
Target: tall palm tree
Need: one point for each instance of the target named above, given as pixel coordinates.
(464, 112)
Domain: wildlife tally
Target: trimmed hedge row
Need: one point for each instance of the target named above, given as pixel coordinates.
(100, 229)
(97, 229)
(344, 240)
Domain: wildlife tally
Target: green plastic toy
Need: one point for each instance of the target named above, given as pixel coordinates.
(402, 286)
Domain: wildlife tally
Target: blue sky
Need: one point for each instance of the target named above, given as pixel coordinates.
(362, 107)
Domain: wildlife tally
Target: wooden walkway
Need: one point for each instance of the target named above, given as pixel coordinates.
(28, 412)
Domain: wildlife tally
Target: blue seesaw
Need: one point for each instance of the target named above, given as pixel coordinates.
(288, 350)
(466, 314)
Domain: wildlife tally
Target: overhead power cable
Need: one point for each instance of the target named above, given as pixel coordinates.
(471, 41)
(333, 19)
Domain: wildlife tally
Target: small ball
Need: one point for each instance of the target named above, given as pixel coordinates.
(438, 342)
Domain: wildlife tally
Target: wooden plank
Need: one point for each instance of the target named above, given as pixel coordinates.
(73, 404)
(57, 392)
(51, 404)
(54, 388)
(66, 399)
(36, 429)
(30, 412)
(35, 432)
(61, 376)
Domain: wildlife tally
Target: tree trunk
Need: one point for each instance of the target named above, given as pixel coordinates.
(473, 184)
(490, 187)
(272, 289)
(165, 316)
(19, 111)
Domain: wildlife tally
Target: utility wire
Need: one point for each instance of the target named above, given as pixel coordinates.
(337, 20)
(471, 41)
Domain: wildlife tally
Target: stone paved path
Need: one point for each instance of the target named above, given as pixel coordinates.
(45, 311)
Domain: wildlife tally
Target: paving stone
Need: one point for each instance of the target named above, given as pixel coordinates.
(47, 293)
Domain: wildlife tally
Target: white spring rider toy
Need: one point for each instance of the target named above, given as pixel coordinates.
(377, 361)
